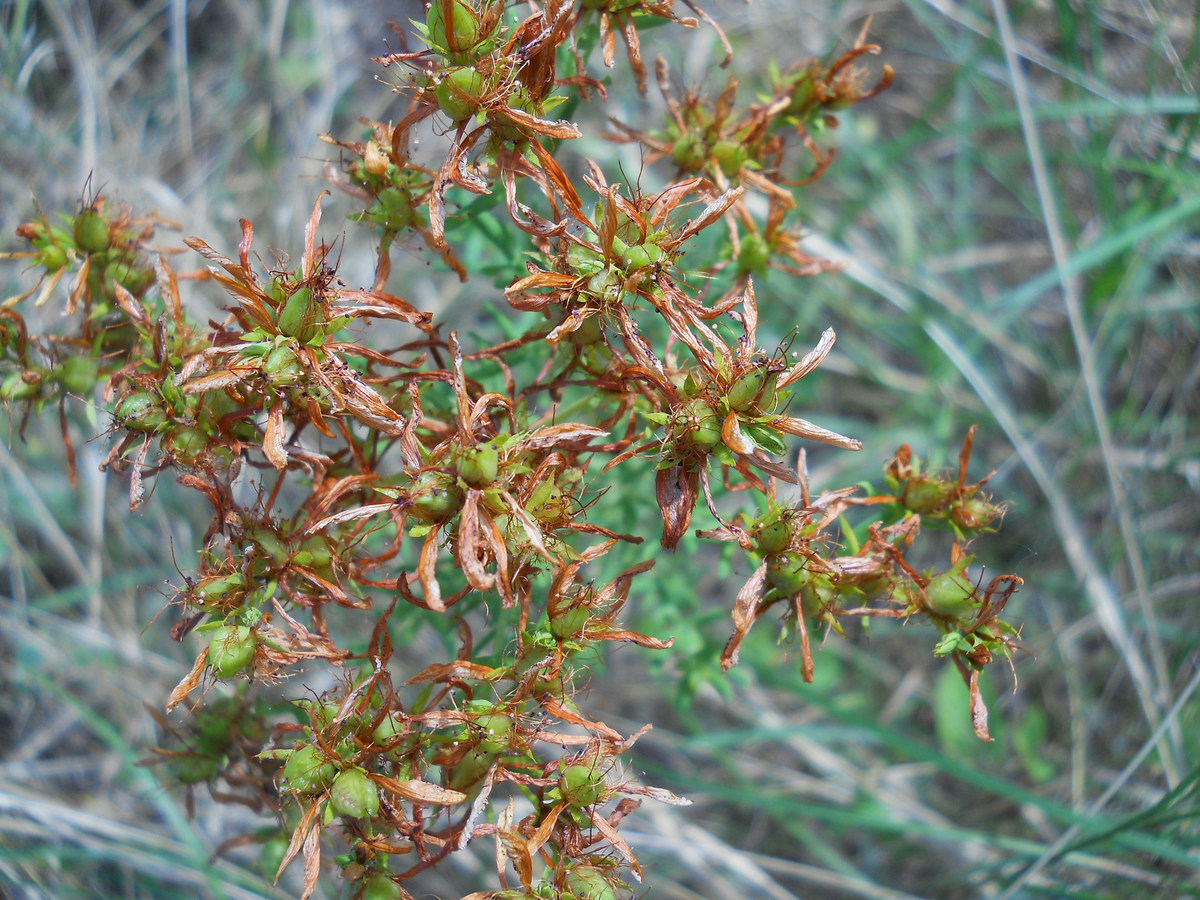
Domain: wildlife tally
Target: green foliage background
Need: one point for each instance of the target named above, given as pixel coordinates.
(1017, 216)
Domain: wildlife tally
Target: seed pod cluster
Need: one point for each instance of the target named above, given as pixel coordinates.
(399, 478)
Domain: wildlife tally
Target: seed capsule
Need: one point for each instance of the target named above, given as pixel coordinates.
(434, 496)
(773, 531)
(381, 887)
(281, 366)
(460, 93)
(215, 589)
(639, 256)
(729, 156)
(951, 593)
(140, 412)
(302, 315)
(495, 728)
(698, 425)
(393, 209)
(16, 387)
(478, 465)
(78, 373)
(787, 572)
(570, 622)
(688, 152)
(469, 771)
(746, 390)
(307, 771)
(581, 785)
(355, 795)
(754, 254)
(925, 495)
(270, 857)
(187, 444)
(589, 883)
(52, 257)
(314, 553)
(230, 650)
(464, 30)
(91, 232)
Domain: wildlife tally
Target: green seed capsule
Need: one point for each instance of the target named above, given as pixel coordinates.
(951, 593)
(215, 589)
(270, 857)
(314, 553)
(460, 93)
(729, 156)
(817, 595)
(570, 622)
(91, 232)
(52, 257)
(390, 731)
(590, 883)
(307, 771)
(478, 465)
(924, 495)
(688, 152)
(698, 425)
(355, 795)
(140, 412)
(746, 389)
(216, 726)
(546, 679)
(230, 650)
(393, 209)
(301, 316)
(466, 774)
(639, 256)
(787, 572)
(281, 366)
(495, 728)
(588, 333)
(581, 785)
(187, 444)
(583, 261)
(773, 533)
(975, 513)
(604, 282)
(434, 496)
(464, 31)
(754, 254)
(381, 887)
(270, 545)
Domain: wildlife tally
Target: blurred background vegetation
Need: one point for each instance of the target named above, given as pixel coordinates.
(1018, 219)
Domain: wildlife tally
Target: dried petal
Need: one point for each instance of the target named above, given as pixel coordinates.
(676, 491)
(273, 437)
